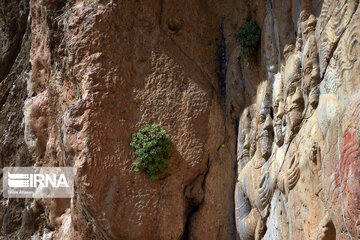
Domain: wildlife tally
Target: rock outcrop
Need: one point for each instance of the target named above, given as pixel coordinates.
(265, 149)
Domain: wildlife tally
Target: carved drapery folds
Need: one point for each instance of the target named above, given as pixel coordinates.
(299, 143)
(251, 207)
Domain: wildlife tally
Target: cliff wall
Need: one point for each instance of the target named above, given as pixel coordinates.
(262, 149)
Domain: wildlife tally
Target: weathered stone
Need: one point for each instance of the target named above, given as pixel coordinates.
(265, 149)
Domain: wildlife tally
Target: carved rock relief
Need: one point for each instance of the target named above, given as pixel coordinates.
(308, 161)
(337, 18)
(251, 206)
(341, 76)
(341, 169)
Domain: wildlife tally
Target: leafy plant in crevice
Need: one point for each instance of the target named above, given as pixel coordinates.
(248, 37)
(152, 149)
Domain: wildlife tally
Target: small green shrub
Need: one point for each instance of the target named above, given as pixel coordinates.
(248, 37)
(152, 149)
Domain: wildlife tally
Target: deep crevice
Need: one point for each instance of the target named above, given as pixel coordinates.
(222, 64)
(193, 205)
(193, 210)
(13, 31)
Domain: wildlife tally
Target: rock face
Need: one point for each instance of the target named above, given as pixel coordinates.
(266, 149)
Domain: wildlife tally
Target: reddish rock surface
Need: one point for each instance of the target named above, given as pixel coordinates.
(78, 78)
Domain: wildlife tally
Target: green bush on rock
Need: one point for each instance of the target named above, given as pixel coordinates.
(248, 37)
(152, 149)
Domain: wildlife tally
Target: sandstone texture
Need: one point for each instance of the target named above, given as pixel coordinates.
(262, 149)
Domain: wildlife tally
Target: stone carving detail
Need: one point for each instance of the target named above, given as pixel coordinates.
(302, 179)
(326, 11)
(265, 130)
(294, 100)
(279, 110)
(340, 124)
(287, 179)
(338, 78)
(342, 170)
(339, 15)
(243, 150)
(251, 207)
(310, 68)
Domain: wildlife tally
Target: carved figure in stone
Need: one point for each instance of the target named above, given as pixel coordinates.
(253, 131)
(283, 178)
(289, 172)
(310, 62)
(252, 191)
(264, 131)
(243, 150)
(306, 185)
(301, 83)
(294, 95)
(278, 223)
(307, 212)
(278, 107)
